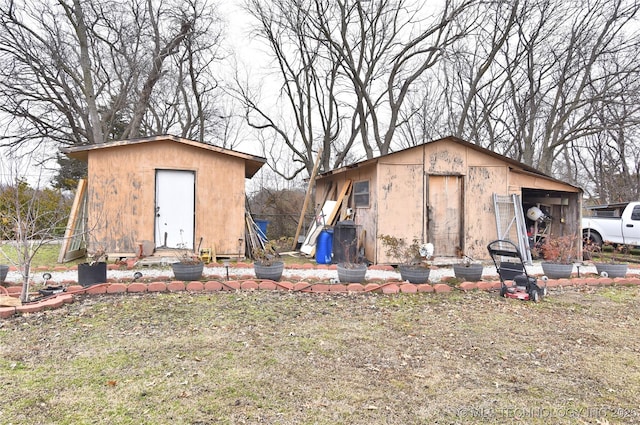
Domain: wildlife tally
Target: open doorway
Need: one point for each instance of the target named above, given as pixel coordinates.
(550, 213)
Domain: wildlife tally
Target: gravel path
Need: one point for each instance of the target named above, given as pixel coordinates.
(436, 275)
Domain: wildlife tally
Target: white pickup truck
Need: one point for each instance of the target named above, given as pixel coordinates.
(615, 223)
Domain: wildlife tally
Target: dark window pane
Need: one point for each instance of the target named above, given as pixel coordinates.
(361, 193)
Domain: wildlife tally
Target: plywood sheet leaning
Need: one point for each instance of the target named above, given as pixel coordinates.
(75, 233)
(307, 197)
(327, 217)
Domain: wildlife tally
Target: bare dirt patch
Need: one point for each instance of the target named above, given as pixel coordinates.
(291, 358)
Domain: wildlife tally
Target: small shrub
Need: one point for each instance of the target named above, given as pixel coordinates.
(559, 249)
(407, 254)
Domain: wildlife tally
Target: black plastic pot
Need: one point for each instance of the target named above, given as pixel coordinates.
(3, 272)
(468, 272)
(187, 271)
(557, 270)
(272, 271)
(91, 274)
(414, 274)
(351, 273)
(612, 269)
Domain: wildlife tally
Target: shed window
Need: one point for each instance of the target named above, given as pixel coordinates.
(361, 193)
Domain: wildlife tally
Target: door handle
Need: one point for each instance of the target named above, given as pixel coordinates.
(629, 225)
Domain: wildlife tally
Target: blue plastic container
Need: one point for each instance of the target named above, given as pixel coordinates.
(262, 226)
(323, 246)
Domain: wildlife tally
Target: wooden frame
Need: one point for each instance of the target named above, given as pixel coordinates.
(74, 242)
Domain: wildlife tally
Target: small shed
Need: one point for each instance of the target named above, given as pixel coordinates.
(454, 194)
(167, 191)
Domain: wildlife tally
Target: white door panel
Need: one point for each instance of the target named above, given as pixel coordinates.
(175, 206)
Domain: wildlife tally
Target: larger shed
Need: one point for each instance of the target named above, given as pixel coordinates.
(454, 194)
(166, 190)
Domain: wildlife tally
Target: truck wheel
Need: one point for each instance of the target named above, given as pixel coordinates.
(592, 238)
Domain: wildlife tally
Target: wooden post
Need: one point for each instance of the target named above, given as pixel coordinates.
(312, 179)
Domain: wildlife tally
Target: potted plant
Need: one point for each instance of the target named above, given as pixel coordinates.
(94, 270)
(188, 267)
(467, 270)
(606, 265)
(413, 257)
(558, 253)
(266, 264)
(351, 270)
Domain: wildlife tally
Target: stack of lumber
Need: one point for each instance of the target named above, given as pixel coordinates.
(253, 239)
(331, 212)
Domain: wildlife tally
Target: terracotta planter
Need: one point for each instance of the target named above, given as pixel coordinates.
(187, 272)
(91, 274)
(557, 270)
(414, 274)
(272, 271)
(468, 272)
(612, 269)
(351, 273)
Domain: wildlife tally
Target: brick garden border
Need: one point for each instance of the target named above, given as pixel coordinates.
(219, 284)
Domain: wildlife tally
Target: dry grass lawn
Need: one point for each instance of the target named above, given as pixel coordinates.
(285, 358)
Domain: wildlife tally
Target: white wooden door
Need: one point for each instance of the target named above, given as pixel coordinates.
(175, 209)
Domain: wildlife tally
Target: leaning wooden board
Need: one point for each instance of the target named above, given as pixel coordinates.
(309, 245)
(328, 215)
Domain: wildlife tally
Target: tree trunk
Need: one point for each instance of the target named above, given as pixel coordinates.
(133, 129)
(85, 63)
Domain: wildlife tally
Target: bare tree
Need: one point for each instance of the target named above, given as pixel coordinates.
(307, 91)
(474, 78)
(78, 72)
(547, 70)
(189, 105)
(346, 68)
(384, 47)
(608, 163)
(576, 81)
(424, 116)
(29, 219)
